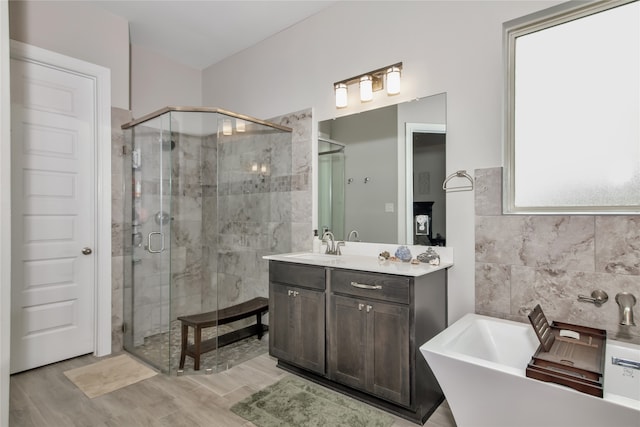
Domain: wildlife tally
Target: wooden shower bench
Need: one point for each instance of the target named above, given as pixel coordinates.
(256, 306)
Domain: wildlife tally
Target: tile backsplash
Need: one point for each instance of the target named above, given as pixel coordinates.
(523, 260)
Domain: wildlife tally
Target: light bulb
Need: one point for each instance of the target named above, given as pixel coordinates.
(341, 95)
(240, 125)
(366, 88)
(393, 81)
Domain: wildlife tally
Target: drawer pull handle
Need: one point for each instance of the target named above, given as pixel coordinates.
(364, 286)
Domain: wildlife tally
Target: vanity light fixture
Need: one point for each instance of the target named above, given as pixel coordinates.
(240, 125)
(393, 80)
(227, 127)
(370, 82)
(366, 88)
(341, 95)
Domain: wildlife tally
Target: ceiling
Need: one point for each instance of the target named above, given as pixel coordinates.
(202, 33)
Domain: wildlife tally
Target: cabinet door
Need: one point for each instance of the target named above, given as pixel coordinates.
(310, 325)
(297, 326)
(388, 363)
(347, 341)
(282, 322)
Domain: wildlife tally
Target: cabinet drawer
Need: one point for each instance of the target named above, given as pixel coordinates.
(296, 274)
(371, 285)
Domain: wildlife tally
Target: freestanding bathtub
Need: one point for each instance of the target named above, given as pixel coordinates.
(480, 364)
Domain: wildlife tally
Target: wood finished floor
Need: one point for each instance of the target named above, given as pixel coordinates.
(45, 397)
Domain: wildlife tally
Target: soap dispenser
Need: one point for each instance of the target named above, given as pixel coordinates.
(317, 244)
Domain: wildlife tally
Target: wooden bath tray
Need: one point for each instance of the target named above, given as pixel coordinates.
(576, 363)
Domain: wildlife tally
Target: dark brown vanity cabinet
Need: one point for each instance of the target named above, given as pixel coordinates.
(369, 347)
(375, 324)
(297, 315)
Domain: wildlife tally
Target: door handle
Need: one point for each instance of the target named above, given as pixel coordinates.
(86, 251)
(155, 251)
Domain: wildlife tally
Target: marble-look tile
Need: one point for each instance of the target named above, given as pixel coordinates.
(493, 288)
(117, 311)
(281, 206)
(302, 237)
(229, 289)
(281, 236)
(499, 239)
(557, 292)
(547, 287)
(186, 305)
(558, 242)
(618, 244)
(301, 206)
(301, 182)
(488, 191)
(117, 239)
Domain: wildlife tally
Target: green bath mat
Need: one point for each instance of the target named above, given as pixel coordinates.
(293, 402)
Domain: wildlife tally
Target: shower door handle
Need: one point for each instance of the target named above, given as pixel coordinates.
(153, 251)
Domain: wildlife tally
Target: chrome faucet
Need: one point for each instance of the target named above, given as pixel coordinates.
(331, 249)
(626, 301)
(353, 233)
(334, 248)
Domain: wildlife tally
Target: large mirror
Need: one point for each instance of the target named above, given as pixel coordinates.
(573, 109)
(380, 172)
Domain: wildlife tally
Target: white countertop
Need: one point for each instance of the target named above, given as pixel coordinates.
(364, 257)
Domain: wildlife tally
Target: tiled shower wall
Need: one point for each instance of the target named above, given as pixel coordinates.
(241, 245)
(523, 260)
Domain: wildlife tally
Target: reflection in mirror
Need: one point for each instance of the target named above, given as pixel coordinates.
(426, 196)
(573, 109)
(331, 186)
(363, 186)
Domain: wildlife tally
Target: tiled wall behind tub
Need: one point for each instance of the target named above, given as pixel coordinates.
(523, 260)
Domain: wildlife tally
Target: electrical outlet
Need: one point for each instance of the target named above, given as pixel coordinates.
(388, 207)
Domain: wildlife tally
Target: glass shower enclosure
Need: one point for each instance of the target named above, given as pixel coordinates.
(203, 205)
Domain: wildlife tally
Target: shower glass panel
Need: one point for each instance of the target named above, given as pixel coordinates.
(202, 186)
(331, 182)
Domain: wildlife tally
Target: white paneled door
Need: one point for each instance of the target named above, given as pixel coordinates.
(53, 117)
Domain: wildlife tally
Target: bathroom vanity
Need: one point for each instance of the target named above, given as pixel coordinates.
(354, 324)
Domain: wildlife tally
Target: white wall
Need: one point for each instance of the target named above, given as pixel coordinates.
(364, 135)
(158, 82)
(5, 215)
(446, 46)
(80, 30)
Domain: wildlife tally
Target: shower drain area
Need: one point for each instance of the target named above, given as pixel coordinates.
(157, 348)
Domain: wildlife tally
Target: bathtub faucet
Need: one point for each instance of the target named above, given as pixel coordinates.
(626, 301)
